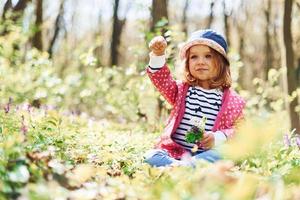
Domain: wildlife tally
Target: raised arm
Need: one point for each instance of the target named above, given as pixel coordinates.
(158, 71)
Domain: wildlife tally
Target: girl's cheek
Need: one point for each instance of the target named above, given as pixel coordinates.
(208, 60)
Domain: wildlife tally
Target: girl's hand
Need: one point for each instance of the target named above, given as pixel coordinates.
(207, 142)
(158, 45)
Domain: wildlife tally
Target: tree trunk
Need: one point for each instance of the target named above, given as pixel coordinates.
(291, 70)
(298, 72)
(21, 5)
(226, 23)
(58, 23)
(158, 12)
(246, 73)
(7, 6)
(268, 46)
(184, 16)
(277, 55)
(37, 40)
(17, 10)
(118, 25)
(211, 15)
(99, 49)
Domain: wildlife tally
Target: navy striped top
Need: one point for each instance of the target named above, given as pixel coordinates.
(199, 103)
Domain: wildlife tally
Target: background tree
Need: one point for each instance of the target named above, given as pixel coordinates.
(159, 11)
(291, 69)
(37, 39)
(226, 14)
(268, 46)
(118, 25)
(17, 11)
(184, 16)
(7, 6)
(211, 15)
(240, 19)
(59, 23)
(19, 8)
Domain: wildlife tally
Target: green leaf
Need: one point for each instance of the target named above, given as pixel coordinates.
(190, 137)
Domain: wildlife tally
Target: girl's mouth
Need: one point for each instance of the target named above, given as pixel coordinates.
(201, 69)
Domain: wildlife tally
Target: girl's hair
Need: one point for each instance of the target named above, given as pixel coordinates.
(222, 80)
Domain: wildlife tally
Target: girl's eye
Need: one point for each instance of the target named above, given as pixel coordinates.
(208, 56)
(193, 57)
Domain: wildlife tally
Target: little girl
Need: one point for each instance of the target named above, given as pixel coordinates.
(204, 93)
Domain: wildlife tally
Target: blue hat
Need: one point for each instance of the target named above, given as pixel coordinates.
(209, 38)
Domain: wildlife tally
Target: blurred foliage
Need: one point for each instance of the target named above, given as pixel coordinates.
(82, 135)
(29, 76)
(47, 154)
(121, 93)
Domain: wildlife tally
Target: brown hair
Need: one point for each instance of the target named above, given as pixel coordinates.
(222, 80)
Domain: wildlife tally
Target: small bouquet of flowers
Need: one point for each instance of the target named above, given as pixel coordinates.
(195, 133)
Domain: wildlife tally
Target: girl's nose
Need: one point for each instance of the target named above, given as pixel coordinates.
(201, 60)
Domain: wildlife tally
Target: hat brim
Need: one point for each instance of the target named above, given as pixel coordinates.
(203, 41)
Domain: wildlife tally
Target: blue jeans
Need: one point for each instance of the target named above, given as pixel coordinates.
(159, 157)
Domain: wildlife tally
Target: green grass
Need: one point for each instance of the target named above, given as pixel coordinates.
(76, 157)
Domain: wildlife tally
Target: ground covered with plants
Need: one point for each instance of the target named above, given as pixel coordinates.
(50, 155)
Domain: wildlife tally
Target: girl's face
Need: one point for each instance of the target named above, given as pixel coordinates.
(202, 65)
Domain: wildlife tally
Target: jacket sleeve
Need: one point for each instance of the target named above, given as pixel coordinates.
(230, 131)
(165, 84)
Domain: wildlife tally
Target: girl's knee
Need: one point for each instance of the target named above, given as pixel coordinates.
(153, 153)
(157, 158)
(209, 155)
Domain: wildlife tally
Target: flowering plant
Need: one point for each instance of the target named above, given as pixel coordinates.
(195, 133)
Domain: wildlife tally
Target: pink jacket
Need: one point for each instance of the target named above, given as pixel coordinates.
(175, 93)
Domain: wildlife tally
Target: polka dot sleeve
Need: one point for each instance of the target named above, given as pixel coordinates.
(164, 82)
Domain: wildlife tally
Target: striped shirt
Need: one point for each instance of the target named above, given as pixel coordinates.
(199, 103)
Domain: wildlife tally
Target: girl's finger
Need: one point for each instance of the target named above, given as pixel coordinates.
(160, 44)
(208, 141)
(205, 140)
(205, 144)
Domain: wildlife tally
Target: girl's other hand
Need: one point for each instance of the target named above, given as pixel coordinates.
(207, 142)
(158, 45)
